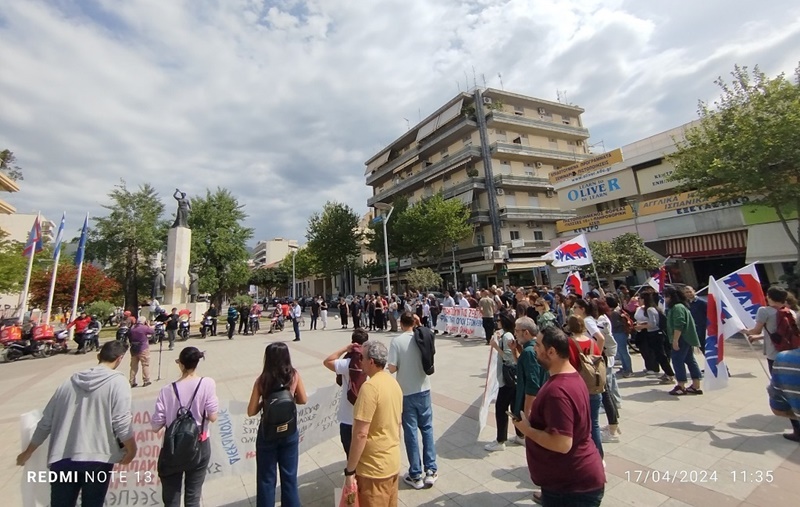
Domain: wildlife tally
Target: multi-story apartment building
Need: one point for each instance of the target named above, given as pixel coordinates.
(18, 226)
(271, 251)
(493, 150)
(701, 238)
(7, 185)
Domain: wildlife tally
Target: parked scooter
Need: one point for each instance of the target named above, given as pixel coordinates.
(276, 324)
(206, 326)
(123, 335)
(159, 334)
(91, 338)
(183, 330)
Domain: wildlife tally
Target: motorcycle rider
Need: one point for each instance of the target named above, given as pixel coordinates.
(185, 315)
(172, 326)
(255, 313)
(94, 325)
(80, 324)
(233, 313)
(212, 312)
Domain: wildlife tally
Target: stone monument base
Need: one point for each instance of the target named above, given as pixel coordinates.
(179, 245)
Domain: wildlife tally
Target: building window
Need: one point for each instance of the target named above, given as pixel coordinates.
(467, 140)
(529, 173)
(505, 162)
(480, 238)
(500, 132)
(571, 143)
(409, 173)
(565, 119)
(519, 111)
(444, 153)
(511, 200)
(514, 235)
(538, 235)
(533, 200)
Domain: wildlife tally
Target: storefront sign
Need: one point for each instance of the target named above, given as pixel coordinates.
(587, 168)
(463, 321)
(597, 190)
(591, 222)
(685, 204)
(657, 178)
(232, 439)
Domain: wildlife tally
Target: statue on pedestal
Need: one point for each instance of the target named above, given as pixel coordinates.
(159, 284)
(194, 285)
(184, 207)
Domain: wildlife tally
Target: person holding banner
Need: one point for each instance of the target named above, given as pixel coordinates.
(681, 332)
(767, 323)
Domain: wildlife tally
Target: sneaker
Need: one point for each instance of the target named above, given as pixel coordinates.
(431, 478)
(627, 374)
(414, 483)
(650, 372)
(608, 438)
(666, 380)
(495, 446)
(518, 440)
(146, 384)
(134, 384)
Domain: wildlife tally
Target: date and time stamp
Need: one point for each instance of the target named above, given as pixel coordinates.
(647, 476)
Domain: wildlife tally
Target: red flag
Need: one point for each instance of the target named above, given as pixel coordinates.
(34, 243)
(574, 284)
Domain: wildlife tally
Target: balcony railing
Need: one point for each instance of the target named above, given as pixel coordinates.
(453, 160)
(422, 146)
(509, 181)
(529, 246)
(532, 213)
(543, 126)
(480, 216)
(464, 186)
(541, 153)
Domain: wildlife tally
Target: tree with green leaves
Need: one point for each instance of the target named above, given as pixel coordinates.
(624, 253)
(8, 165)
(219, 243)
(433, 225)
(423, 279)
(334, 239)
(13, 265)
(399, 246)
(270, 279)
(132, 233)
(304, 264)
(746, 146)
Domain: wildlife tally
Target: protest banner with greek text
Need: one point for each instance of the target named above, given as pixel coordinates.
(463, 321)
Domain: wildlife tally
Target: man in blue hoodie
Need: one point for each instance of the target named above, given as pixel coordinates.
(89, 423)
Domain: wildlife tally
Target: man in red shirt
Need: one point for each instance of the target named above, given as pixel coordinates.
(562, 458)
(81, 323)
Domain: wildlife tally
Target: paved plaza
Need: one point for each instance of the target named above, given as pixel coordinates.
(728, 438)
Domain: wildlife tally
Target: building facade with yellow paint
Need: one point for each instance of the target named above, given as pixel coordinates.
(493, 150)
(701, 237)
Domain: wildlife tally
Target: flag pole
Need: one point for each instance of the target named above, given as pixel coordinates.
(78, 279)
(24, 304)
(766, 372)
(55, 272)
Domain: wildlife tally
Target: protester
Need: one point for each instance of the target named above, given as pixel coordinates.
(172, 327)
(611, 398)
(342, 368)
(559, 451)
(344, 311)
(784, 397)
(531, 376)
(620, 331)
(487, 307)
(504, 344)
(699, 310)
(314, 313)
(276, 450)
(199, 396)
(394, 314)
(296, 312)
(140, 351)
(374, 458)
(766, 324)
(233, 313)
(682, 334)
(88, 420)
(81, 324)
(581, 342)
(405, 359)
(546, 317)
(655, 338)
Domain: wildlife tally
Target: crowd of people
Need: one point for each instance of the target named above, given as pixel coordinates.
(558, 359)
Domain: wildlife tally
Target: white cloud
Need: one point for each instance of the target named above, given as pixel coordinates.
(282, 101)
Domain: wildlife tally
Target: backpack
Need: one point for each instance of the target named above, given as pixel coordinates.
(426, 342)
(786, 335)
(279, 416)
(592, 369)
(627, 322)
(356, 373)
(181, 447)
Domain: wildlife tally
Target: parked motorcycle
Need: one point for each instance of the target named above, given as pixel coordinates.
(254, 323)
(183, 330)
(159, 334)
(206, 327)
(276, 324)
(91, 339)
(122, 335)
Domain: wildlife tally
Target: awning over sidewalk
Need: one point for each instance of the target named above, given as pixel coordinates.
(477, 267)
(768, 243)
(708, 245)
(525, 265)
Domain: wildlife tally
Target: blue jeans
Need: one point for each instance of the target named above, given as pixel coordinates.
(623, 354)
(296, 326)
(418, 413)
(683, 358)
(553, 499)
(594, 404)
(282, 453)
(92, 491)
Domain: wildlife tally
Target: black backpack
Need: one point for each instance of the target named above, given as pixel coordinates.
(181, 447)
(279, 416)
(425, 340)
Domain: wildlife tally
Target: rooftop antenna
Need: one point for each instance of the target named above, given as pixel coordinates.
(474, 78)
(458, 85)
(483, 76)
(466, 79)
(408, 124)
(501, 81)
(419, 114)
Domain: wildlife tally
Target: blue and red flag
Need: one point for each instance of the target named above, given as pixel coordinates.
(82, 244)
(743, 290)
(574, 284)
(574, 252)
(59, 236)
(34, 244)
(722, 324)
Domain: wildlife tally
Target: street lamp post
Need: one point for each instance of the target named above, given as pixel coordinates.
(455, 283)
(384, 207)
(294, 283)
(634, 202)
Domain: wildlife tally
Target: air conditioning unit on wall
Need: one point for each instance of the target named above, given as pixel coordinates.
(539, 164)
(500, 191)
(532, 225)
(549, 193)
(487, 100)
(542, 110)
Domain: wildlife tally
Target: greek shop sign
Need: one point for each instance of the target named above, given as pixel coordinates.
(603, 189)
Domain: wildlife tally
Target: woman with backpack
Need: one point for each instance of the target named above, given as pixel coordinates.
(682, 334)
(581, 343)
(612, 400)
(504, 343)
(655, 336)
(276, 392)
(183, 407)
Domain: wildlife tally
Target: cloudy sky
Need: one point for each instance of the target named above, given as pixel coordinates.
(282, 101)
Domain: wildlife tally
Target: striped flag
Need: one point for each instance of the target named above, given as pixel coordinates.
(743, 290)
(722, 324)
(59, 236)
(82, 244)
(573, 284)
(34, 244)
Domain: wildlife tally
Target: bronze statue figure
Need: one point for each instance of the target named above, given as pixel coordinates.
(184, 207)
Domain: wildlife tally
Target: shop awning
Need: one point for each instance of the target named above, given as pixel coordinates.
(478, 267)
(406, 164)
(525, 266)
(708, 245)
(466, 197)
(769, 243)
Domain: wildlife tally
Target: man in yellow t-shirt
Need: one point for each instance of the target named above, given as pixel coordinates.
(374, 460)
